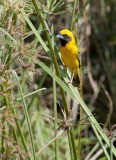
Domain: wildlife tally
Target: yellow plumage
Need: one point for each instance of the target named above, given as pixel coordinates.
(69, 51)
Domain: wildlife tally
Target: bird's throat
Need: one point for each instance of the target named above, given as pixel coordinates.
(63, 42)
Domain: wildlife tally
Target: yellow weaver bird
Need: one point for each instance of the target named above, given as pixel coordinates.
(70, 54)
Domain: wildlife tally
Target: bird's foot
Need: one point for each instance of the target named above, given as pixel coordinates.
(69, 83)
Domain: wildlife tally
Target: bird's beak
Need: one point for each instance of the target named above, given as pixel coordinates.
(60, 36)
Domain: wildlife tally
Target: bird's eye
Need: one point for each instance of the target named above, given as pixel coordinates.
(65, 34)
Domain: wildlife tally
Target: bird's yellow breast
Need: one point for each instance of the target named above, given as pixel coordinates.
(69, 55)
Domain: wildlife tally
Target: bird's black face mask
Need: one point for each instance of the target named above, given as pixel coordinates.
(64, 38)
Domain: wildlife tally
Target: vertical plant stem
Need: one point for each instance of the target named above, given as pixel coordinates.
(15, 135)
(111, 154)
(73, 145)
(79, 135)
(21, 134)
(73, 14)
(55, 107)
(26, 114)
(4, 103)
(2, 139)
(55, 122)
(70, 146)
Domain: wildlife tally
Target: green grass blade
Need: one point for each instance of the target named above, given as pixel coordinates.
(7, 42)
(35, 31)
(6, 33)
(30, 94)
(26, 113)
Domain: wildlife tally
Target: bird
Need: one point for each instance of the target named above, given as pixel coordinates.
(70, 54)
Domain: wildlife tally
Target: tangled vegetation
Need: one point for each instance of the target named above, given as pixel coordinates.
(41, 117)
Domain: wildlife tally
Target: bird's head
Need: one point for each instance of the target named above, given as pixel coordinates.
(65, 37)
